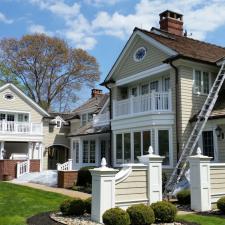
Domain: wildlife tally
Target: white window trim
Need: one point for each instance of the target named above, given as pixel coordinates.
(202, 87)
(170, 144)
(89, 152)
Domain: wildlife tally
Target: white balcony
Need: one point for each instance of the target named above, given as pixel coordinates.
(153, 102)
(13, 127)
(101, 119)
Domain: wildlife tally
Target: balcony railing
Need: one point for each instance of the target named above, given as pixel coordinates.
(101, 119)
(152, 102)
(12, 127)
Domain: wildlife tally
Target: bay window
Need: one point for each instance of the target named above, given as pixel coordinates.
(76, 149)
(127, 148)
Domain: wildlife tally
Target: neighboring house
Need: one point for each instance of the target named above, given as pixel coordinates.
(29, 132)
(90, 131)
(158, 84)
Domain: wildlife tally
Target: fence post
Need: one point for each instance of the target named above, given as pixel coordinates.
(70, 161)
(154, 163)
(103, 190)
(200, 182)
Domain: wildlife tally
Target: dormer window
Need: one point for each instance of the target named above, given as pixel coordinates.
(87, 117)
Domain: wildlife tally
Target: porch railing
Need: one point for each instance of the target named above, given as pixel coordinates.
(22, 168)
(101, 119)
(20, 127)
(152, 102)
(65, 166)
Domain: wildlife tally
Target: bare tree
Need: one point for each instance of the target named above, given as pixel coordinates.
(48, 68)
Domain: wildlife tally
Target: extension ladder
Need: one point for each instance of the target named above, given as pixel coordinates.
(189, 147)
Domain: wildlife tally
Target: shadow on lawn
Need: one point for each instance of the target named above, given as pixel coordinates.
(42, 219)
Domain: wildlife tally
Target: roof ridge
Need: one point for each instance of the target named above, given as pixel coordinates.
(196, 40)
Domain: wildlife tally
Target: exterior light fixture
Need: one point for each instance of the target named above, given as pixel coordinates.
(218, 131)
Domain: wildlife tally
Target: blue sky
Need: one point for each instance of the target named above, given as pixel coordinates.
(102, 27)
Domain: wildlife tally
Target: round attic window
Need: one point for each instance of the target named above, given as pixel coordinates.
(140, 54)
(8, 96)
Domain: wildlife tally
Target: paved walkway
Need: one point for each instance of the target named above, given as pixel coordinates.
(70, 193)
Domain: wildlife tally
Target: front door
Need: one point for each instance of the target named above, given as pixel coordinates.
(57, 154)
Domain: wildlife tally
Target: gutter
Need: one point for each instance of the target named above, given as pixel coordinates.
(176, 94)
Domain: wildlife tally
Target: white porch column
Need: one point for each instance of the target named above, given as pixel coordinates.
(41, 147)
(2, 149)
(200, 182)
(154, 163)
(103, 190)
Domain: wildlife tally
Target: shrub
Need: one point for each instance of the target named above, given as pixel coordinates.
(141, 214)
(84, 177)
(77, 207)
(165, 212)
(65, 207)
(221, 204)
(184, 197)
(87, 204)
(116, 216)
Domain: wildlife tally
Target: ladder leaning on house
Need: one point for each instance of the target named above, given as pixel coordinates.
(189, 147)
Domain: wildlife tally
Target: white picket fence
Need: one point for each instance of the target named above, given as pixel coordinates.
(65, 166)
(22, 168)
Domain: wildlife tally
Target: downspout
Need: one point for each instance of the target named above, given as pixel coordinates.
(110, 130)
(177, 98)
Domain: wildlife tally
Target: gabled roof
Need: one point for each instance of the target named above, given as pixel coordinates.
(188, 47)
(175, 46)
(24, 96)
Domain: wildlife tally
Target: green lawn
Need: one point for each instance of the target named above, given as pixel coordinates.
(17, 203)
(202, 220)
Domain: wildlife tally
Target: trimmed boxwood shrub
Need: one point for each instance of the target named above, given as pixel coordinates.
(165, 212)
(87, 204)
(116, 216)
(184, 197)
(221, 204)
(77, 207)
(141, 214)
(84, 177)
(65, 207)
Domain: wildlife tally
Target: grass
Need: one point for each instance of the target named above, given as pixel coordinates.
(201, 220)
(17, 203)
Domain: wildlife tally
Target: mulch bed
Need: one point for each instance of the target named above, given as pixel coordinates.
(42, 219)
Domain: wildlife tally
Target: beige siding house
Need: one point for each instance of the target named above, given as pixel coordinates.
(158, 85)
(29, 132)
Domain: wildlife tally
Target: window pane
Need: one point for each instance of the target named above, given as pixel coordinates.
(208, 145)
(144, 89)
(134, 91)
(85, 151)
(92, 151)
(166, 84)
(127, 148)
(2, 116)
(154, 86)
(89, 117)
(146, 141)
(163, 143)
(119, 154)
(83, 118)
(198, 81)
(206, 82)
(137, 145)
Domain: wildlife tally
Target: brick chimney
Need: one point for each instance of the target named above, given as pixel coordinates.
(171, 22)
(96, 92)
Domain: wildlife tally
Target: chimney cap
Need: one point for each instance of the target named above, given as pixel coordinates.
(171, 14)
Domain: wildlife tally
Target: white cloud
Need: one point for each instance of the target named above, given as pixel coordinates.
(4, 19)
(200, 18)
(36, 28)
(101, 2)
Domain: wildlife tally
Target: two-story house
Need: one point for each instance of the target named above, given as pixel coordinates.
(157, 85)
(29, 132)
(90, 131)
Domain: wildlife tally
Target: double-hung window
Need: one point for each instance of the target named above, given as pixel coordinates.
(201, 82)
(89, 148)
(76, 151)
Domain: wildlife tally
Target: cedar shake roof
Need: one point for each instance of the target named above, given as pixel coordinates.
(187, 47)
